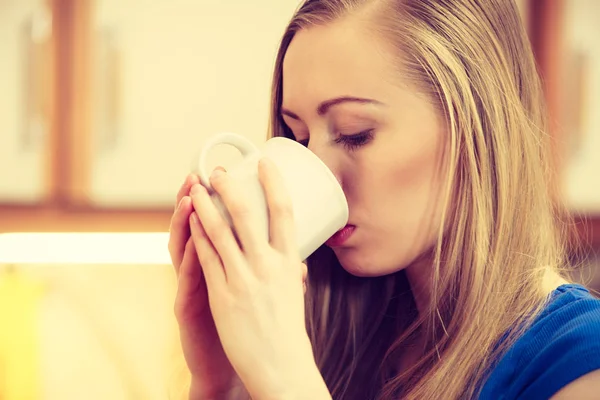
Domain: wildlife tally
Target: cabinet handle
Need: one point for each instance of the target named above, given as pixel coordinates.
(37, 31)
(108, 81)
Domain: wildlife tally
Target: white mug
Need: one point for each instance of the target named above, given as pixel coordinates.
(318, 201)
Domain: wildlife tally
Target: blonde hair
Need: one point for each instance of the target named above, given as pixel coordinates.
(495, 242)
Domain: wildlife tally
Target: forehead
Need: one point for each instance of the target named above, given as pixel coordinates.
(340, 58)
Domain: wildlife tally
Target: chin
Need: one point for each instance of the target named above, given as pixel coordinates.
(364, 267)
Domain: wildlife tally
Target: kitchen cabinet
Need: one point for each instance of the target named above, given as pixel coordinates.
(580, 105)
(25, 79)
(559, 45)
(99, 134)
(166, 75)
(137, 86)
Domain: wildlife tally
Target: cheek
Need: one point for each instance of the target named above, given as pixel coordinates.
(394, 192)
(393, 172)
(402, 192)
(403, 172)
(417, 179)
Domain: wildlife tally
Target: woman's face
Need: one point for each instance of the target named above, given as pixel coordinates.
(346, 99)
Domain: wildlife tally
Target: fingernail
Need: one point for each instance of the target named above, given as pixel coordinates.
(194, 218)
(197, 188)
(180, 203)
(216, 173)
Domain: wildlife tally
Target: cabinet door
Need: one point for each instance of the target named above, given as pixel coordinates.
(580, 105)
(25, 31)
(168, 73)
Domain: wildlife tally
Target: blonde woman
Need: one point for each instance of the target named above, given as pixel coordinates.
(446, 283)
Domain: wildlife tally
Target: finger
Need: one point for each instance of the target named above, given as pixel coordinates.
(304, 277)
(281, 216)
(180, 218)
(190, 284)
(208, 257)
(249, 226)
(190, 269)
(184, 190)
(217, 230)
(179, 231)
(304, 271)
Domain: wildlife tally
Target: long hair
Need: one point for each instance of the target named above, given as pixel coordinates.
(499, 232)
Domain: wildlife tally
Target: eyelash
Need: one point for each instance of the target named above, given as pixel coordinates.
(353, 142)
(350, 142)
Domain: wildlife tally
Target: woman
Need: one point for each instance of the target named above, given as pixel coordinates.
(430, 114)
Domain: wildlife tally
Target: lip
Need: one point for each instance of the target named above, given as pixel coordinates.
(341, 236)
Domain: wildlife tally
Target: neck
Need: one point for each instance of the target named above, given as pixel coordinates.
(419, 277)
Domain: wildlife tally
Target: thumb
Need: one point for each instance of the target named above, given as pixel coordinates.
(304, 270)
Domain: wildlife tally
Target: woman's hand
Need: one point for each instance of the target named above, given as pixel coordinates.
(255, 288)
(212, 373)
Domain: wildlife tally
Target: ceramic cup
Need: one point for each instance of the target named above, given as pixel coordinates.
(318, 201)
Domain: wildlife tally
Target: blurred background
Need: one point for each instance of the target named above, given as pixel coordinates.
(103, 105)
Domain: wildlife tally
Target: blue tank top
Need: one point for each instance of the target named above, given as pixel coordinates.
(563, 344)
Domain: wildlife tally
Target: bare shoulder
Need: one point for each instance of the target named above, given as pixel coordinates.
(586, 387)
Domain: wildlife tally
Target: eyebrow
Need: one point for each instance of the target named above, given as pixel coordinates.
(324, 107)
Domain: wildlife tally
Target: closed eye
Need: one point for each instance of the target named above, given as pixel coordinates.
(353, 142)
(350, 142)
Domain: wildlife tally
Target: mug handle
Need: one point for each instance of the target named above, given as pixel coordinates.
(245, 147)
